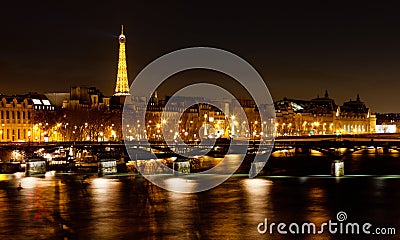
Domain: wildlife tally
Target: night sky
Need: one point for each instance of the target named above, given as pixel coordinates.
(299, 49)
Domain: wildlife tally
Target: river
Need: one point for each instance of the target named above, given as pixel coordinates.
(126, 206)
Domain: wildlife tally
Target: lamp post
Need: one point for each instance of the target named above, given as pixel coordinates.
(65, 131)
(113, 134)
(101, 136)
(186, 135)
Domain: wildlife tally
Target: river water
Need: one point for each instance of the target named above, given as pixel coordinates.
(291, 190)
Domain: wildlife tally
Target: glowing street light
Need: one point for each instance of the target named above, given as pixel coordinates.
(101, 136)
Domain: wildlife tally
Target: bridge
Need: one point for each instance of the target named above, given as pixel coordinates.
(326, 144)
(339, 145)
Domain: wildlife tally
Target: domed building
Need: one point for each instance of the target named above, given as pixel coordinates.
(322, 115)
(355, 117)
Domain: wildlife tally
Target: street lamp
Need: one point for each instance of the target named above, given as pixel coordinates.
(101, 136)
(186, 135)
(65, 131)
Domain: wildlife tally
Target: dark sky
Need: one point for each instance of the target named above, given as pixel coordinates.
(299, 49)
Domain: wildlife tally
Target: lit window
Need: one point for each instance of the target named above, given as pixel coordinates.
(37, 102)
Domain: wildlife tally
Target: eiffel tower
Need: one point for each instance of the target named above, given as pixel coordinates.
(122, 87)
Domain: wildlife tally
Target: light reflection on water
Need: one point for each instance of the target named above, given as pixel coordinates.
(79, 207)
(258, 198)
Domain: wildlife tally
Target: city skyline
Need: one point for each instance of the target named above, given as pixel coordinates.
(300, 51)
(199, 120)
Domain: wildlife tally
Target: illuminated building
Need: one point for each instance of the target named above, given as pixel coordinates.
(388, 123)
(80, 97)
(196, 121)
(86, 98)
(355, 117)
(321, 115)
(16, 117)
(122, 87)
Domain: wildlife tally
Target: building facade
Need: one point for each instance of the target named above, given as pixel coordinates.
(17, 114)
(388, 123)
(322, 115)
(166, 120)
(80, 97)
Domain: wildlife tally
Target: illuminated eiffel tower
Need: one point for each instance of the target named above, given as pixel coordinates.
(122, 87)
